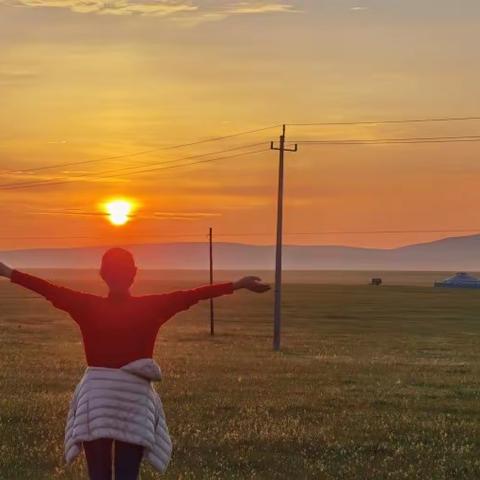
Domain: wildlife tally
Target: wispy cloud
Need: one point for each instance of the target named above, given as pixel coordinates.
(187, 10)
(24, 179)
(111, 7)
(261, 7)
(183, 216)
(14, 76)
(72, 211)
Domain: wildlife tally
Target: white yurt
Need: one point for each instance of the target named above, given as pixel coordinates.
(460, 280)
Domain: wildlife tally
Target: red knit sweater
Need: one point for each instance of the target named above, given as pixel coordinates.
(118, 330)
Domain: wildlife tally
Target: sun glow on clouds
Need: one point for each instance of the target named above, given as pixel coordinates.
(178, 9)
(111, 7)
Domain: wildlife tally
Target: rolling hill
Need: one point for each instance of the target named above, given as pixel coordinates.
(455, 253)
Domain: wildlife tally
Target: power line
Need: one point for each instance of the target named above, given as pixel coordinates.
(83, 162)
(253, 234)
(386, 142)
(195, 163)
(386, 232)
(353, 232)
(387, 122)
(154, 164)
(131, 170)
(125, 169)
(401, 139)
(144, 152)
(61, 182)
(245, 132)
(128, 169)
(83, 237)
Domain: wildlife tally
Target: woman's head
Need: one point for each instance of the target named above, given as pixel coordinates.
(118, 269)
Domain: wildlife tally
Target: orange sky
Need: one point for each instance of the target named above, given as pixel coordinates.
(81, 81)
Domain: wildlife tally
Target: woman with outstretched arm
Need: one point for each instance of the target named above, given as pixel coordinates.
(115, 403)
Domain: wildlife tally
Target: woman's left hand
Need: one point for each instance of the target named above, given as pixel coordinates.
(254, 284)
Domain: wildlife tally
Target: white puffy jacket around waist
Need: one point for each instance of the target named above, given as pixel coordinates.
(123, 405)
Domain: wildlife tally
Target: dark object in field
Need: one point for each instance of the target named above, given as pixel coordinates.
(460, 280)
(376, 282)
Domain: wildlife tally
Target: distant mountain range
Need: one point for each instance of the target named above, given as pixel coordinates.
(455, 253)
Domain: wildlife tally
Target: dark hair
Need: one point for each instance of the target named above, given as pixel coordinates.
(117, 260)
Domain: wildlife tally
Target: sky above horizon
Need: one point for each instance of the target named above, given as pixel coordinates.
(94, 92)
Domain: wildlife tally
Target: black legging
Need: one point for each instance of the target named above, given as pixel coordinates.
(128, 458)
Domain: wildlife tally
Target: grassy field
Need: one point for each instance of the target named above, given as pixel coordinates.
(372, 383)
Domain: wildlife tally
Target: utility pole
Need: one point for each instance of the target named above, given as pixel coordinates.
(212, 313)
(278, 252)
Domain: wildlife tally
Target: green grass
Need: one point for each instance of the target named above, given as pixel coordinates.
(372, 383)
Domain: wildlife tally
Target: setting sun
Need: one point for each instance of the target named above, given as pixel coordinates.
(119, 211)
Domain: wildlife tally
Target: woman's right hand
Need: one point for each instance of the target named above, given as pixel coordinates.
(5, 270)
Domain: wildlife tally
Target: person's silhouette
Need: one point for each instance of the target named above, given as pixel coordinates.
(120, 329)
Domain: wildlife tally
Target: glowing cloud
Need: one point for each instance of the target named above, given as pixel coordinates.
(112, 7)
(187, 10)
(261, 7)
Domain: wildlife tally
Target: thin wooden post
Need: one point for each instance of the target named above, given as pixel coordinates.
(277, 315)
(212, 311)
